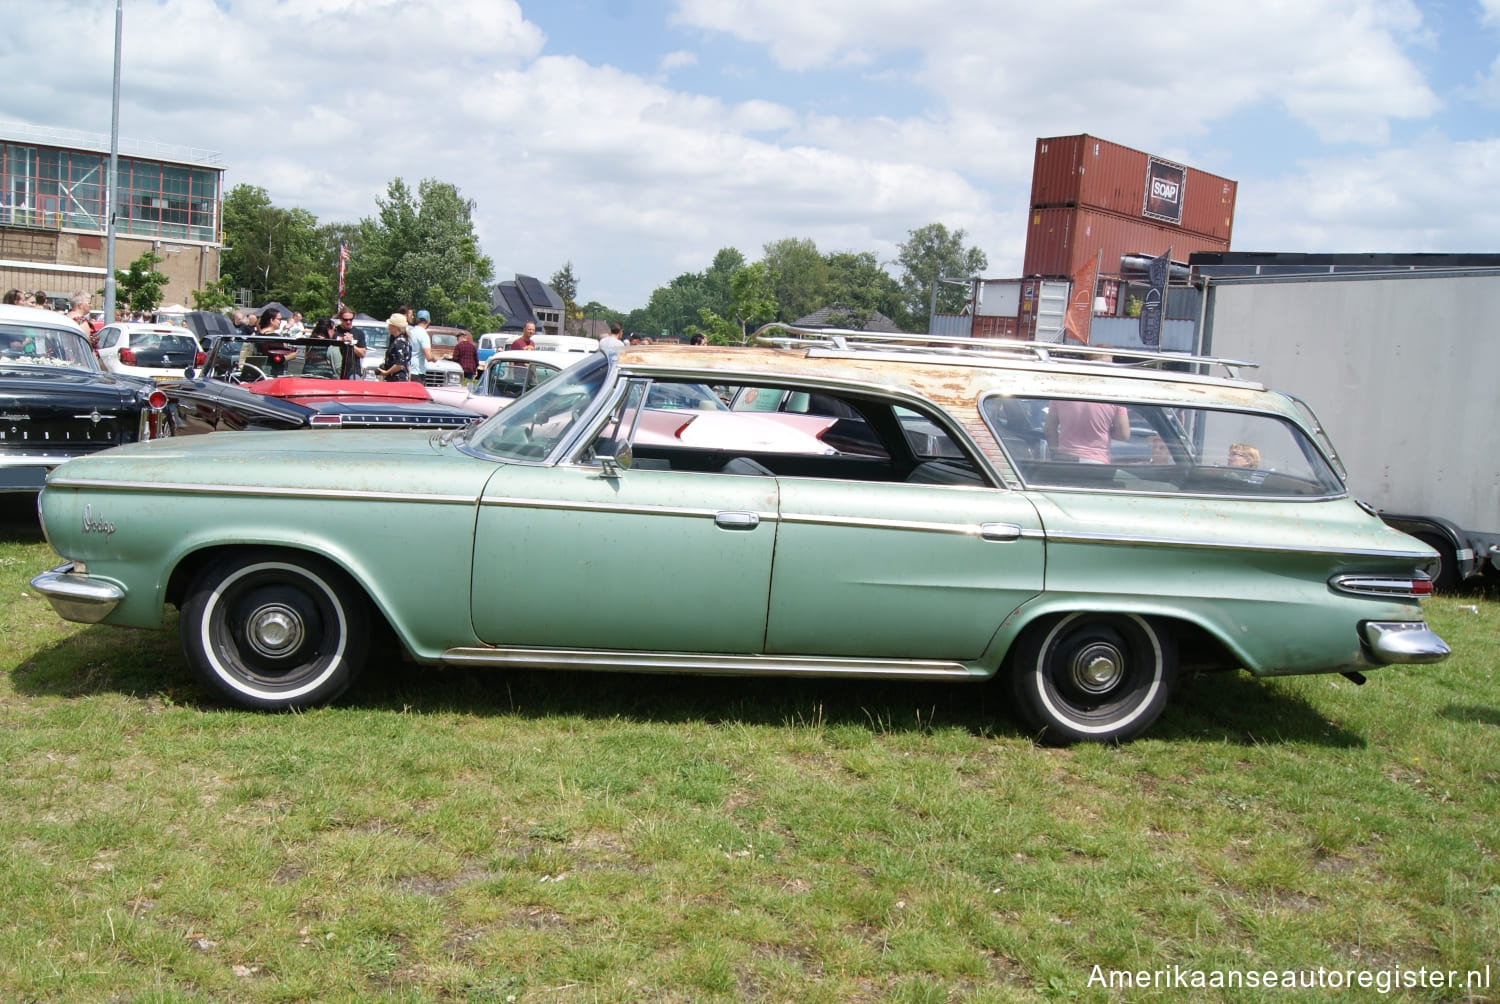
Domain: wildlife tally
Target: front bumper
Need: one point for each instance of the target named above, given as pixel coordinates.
(76, 596)
(1404, 642)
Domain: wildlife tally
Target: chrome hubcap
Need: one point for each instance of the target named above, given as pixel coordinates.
(1097, 667)
(274, 630)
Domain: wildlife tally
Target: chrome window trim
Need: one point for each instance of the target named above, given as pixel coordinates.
(246, 491)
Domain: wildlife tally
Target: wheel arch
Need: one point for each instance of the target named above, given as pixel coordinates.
(192, 562)
(1201, 644)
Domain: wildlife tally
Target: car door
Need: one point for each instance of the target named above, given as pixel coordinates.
(648, 560)
(922, 571)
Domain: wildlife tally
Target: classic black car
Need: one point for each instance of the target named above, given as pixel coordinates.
(297, 383)
(56, 402)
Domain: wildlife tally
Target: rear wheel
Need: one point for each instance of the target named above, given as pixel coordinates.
(1092, 677)
(273, 630)
(1445, 575)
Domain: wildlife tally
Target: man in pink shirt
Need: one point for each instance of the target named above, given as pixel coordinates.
(1081, 430)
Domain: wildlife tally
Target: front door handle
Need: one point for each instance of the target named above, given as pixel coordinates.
(734, 520)
(999, 531)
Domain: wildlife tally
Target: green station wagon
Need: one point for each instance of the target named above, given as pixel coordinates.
(1068, 527)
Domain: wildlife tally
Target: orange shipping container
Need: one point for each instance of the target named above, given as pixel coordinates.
(1059, 240)
(1087, 172)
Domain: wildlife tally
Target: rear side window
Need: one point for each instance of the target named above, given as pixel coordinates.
(1123, 446)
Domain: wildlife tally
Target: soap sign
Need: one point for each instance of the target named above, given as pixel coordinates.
(1165, 183)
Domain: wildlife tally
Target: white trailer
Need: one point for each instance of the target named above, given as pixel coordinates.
(1403, 370)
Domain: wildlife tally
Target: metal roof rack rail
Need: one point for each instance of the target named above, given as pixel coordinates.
(850, 340)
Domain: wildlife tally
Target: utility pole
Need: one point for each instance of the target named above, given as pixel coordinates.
(114, 174)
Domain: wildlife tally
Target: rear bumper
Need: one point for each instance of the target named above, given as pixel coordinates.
(76, 596)
(1403, 642)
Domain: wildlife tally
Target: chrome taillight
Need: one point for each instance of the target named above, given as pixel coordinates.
(127, 357)
(1416, 584)
(326, 420)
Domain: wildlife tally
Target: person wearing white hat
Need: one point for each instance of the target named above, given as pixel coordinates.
(397, 362)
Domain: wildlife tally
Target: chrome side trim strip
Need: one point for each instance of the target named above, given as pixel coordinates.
(247, 491)
(706, 663)
(962, 529)
(1130, 541)
(1381, 585)
(511, 502)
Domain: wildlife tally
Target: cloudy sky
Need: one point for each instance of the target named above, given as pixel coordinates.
(637, 137)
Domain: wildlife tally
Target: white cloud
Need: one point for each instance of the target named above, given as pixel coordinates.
(1434, 196)
(323, 102)
(677, 60)
(1335, 65)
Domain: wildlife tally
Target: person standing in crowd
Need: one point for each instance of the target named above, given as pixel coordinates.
(699, 339)
(397, 362)
(421, 346)
(296, 327)
(349, 334)
(41, 299)
(466, 354)
(1082, 430)
(525, 342)
(13, 297)
(612, 342)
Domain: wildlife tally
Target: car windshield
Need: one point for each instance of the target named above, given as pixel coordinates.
(1124, 446)
(246, 360)
(30, 345)
(539, 420)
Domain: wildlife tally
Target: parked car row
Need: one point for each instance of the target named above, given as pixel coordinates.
(869, 509)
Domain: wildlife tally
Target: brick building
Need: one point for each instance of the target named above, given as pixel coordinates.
(53, 213)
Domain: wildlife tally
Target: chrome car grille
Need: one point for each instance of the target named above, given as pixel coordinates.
(38, 427)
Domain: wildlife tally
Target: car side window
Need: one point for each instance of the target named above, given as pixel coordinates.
(108, 339)
(791, 431)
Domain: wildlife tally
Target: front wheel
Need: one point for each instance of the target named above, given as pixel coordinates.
(272, 631)
(1092, 677)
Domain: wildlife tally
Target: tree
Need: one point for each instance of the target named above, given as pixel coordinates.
(858, 288)
(415, 244)
(717, 330)
(141, 284)
(215, 295)
(269, 250)
(565, 284)
(798, 276)
(750, 297)
(931, 253)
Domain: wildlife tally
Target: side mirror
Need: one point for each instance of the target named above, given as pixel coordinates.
(620, 460)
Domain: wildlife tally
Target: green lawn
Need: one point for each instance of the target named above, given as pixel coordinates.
(481, 836)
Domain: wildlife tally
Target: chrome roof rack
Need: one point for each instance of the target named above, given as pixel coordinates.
(950, 346)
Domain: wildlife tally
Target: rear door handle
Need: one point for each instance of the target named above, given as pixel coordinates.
(734, 520)
(999, 531)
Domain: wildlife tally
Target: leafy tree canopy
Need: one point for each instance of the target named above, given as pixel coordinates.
(139, 286)
(929, 254)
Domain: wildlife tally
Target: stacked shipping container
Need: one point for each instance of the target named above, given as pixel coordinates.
(1089, 195)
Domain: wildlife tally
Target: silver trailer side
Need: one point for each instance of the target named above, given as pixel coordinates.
(1403, 369)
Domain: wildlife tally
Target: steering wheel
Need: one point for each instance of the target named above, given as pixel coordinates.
(239, 375)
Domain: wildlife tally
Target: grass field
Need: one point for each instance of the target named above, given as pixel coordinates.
(481, 836)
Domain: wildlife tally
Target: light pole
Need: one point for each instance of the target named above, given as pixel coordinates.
(114, 175)
(932, 303)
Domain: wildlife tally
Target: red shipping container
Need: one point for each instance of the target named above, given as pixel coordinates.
(1084, 171)
(991, 326)
(1059, 240)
